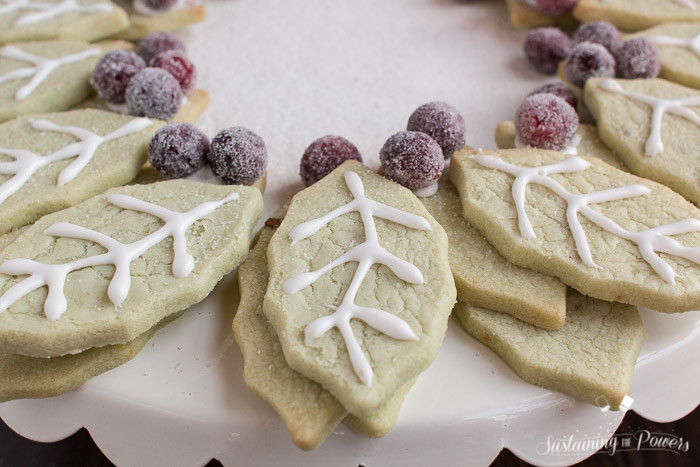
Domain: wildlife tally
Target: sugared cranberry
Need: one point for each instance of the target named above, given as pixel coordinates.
(178, 149)
(559, 89)
(555, 8)
(159, 42)
(324, 155)
(442, 122)
(154, 5)
(154, 93)
(113, 73)
(638, 58)
(412, 159)
(238, 156)
(599, 32)
(545, 48)
(588, 60)
(546, 121)
(177, 64)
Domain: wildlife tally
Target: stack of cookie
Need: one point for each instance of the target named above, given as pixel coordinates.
(89, 268)
(327, 336)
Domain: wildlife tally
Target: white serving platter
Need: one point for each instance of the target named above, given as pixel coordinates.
(292, 71)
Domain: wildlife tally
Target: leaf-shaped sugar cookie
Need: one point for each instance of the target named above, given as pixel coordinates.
(607, 233)
(360, 286)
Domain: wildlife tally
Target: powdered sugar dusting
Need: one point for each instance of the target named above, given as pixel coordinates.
(293, 70)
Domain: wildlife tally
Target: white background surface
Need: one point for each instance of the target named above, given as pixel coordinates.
(292, 71)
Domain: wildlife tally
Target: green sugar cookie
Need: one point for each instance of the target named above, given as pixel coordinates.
(42, 20)
(119, 263)
(634, 15)
(591, 358)
(484, 278)
(39, 77)
(51, 162)
(309, 412)
(608, 234)
(361, 331)
(654, 126)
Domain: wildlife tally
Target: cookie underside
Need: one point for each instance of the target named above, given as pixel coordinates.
(591, 358)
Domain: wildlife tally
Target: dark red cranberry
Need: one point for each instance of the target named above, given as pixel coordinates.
(157, 5)
(177, 64)
(588, 60)
(545, 48)
(154, 93)
(158, 42)
(599, 32)
(638, 58)
(412, 159)
(546, 121)
(238, 156)
(178, 149)
(324, 155)
(442, 122)
(113, 73)
(559, 89)
(555, 8)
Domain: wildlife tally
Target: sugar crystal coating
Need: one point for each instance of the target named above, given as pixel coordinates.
(113, 73)
(546, 121)
(158, 42)
(545, 48)
(638, 59)
(588, 60)
(238, 156)
(154, 93)
(559, 89)
(178, 149)
(599, 32)
(555, 8)
(412, 159)
(177, 64)
(324, 155)
(442, 122)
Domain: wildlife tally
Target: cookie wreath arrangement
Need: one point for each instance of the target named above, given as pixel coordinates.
(545, 248)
